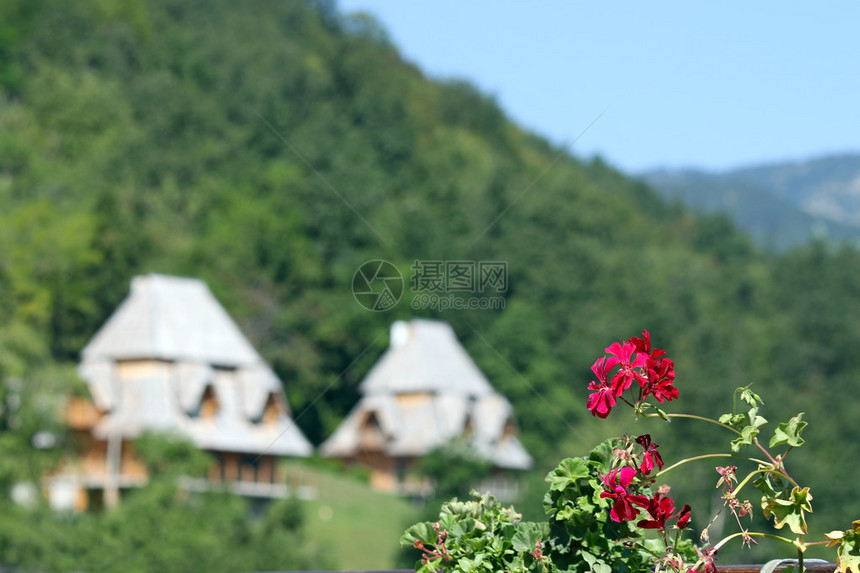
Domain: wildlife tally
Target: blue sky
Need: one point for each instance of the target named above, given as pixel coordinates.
(682, 84)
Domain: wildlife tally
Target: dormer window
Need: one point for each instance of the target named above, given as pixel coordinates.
(510, 429)
(208, 406)
(468, 427)
(370, 435)
(273, 410)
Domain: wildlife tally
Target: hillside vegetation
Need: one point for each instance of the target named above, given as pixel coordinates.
(782, 205)
(270, 148)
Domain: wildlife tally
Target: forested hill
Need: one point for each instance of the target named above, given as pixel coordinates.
(271, 148)
(782, 205)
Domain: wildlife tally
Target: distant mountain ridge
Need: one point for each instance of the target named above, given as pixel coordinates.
(781, 204)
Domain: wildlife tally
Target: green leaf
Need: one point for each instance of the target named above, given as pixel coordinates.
(764, 485)
(789, 432)
(746, 438)
(595, 565)
(567, 472)
(526, 537)
(422, 532)
(788, 510)
(848, 554)
(734, 420)
(756, 421)
(564, 513)
(463, 527)
(585, 504)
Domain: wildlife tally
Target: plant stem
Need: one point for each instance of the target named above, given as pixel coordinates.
(749, 475)
(694, 417)
(702, 457)
(724, 540)
(777, 465)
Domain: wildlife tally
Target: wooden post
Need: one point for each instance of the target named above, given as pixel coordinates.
(112, 470)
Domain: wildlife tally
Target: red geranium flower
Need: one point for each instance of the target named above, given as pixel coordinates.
(644, 345)
(661, 371)
(602, 400)
(629, 360)
(661, 379)
(661, 509)
(651, 457)
(684, 517)
(617, 482)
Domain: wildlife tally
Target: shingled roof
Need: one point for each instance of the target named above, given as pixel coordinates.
(189, 345)
(424, 391)
(171, 318)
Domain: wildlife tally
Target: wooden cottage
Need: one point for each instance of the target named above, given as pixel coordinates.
(170, 359)
(423, 392)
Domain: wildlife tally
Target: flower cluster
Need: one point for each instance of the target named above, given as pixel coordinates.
(661, 508)
(635, 475)
(784, 500)
(609, 498)
(635, 360)
(616, 482)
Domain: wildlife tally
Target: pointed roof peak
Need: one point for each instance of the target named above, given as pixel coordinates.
(171, 318)
(191, 346)
(424, 391)
(425, 356)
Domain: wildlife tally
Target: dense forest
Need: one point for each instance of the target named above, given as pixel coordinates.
(271, 148)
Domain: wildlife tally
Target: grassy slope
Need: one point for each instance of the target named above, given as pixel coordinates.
(360, 526)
